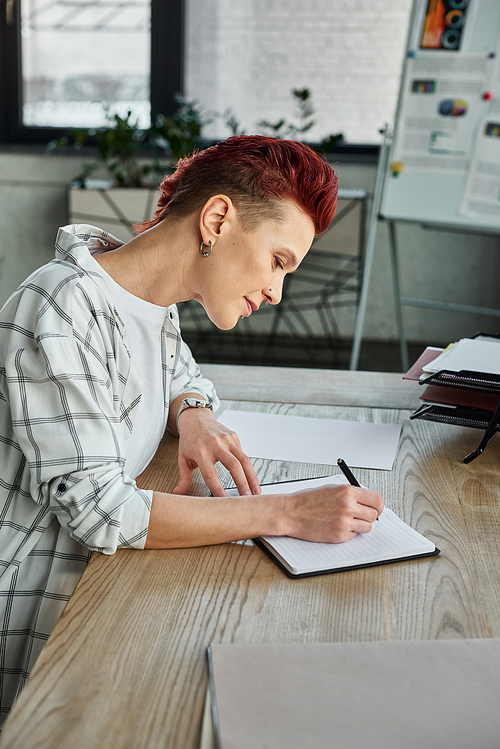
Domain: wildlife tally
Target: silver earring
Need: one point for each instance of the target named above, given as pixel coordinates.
(202, 245)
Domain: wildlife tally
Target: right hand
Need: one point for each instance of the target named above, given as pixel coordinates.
(330, 514)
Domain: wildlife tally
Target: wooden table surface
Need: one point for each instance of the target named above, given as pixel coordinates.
(126, 665)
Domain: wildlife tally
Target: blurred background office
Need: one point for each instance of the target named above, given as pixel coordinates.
(73, 63)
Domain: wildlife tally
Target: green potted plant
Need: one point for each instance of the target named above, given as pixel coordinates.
(130, 162)
(297, 128)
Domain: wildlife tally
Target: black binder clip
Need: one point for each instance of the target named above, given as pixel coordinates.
(489, 433)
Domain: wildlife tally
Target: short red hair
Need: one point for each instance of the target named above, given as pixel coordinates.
(257, 173)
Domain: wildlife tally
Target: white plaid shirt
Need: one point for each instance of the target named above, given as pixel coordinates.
(68, 397)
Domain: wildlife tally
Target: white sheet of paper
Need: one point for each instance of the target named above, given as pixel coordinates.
(475, 354)
(308, 440)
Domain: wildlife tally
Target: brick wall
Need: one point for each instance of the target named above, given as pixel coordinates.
(247, 55)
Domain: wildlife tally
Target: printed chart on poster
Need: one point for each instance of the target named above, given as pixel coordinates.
(444, 162)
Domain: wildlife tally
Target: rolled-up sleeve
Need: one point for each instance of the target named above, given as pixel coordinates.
(103, 509)
(72, 414)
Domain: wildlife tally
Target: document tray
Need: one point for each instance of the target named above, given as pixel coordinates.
(465, 379)
(461, 416)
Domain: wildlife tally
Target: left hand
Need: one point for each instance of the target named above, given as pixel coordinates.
(203, 442)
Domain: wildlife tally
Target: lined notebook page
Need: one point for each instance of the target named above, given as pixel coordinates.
(390, 538)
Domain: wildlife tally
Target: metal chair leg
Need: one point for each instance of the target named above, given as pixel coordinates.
(403, 345)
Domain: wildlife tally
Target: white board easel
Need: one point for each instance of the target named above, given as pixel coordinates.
(441, 165)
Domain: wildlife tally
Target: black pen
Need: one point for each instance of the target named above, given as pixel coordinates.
(348, 473)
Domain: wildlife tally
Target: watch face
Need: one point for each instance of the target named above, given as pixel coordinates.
(195, 403)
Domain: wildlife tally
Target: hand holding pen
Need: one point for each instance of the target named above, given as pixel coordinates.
(348, 473)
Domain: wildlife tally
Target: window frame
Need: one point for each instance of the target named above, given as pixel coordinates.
(167, 69)
(167, 78)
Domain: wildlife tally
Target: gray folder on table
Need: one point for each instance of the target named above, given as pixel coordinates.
(382, 695)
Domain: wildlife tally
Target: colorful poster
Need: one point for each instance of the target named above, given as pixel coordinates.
(482, 189)
(441, 102)
(444, 24)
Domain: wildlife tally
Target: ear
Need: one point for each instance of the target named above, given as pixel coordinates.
(216, 211)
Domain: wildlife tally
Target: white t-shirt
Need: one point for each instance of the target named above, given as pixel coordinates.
(143, 322)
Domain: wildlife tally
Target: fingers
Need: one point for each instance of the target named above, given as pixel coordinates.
(203, 443)
(242, 471)
(212, 480)
(185, 477)
(361, 507)
(235, 467)
(364, 512)
(371, 499)
(360, 526)
(239, 465)
(181, 488)
(252, 479)
(332, 514)
(207, 470)
(345, 526)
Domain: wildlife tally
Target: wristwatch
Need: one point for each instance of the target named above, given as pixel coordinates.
(191, 403)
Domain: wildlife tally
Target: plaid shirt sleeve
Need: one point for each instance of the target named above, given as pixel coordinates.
(72, 395)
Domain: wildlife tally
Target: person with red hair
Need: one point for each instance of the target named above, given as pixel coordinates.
(93, 369)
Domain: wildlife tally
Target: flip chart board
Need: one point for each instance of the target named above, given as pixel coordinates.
(444, 162)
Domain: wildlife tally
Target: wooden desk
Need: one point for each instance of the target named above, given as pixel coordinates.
(126, 665)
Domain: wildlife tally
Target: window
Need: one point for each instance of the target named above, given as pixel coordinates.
(62, 60)
(66, 63)
(64, 84)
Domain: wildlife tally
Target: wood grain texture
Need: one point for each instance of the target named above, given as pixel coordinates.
(477, 486)
(335, 387)
(126, 665)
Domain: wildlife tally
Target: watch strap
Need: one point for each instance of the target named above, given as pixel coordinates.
(191, 403)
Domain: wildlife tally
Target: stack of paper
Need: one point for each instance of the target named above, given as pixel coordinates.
(462, 386)
(471, 354)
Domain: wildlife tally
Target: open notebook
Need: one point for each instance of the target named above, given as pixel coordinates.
(390, 540)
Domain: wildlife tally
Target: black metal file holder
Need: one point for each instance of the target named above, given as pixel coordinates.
(489, 433)
(465, 380)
